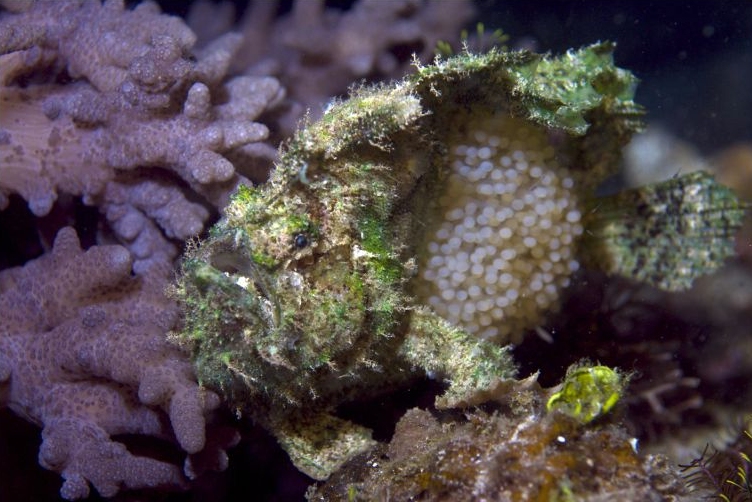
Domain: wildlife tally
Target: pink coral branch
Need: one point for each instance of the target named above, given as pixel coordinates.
(318, 52)
(83, 353)
(141, 99)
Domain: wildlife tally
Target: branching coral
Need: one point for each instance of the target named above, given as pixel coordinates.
(140, 98)
(83, 354)
(318, 52)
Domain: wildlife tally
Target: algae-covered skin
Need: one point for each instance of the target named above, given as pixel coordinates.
(666, 234)
(302, 297)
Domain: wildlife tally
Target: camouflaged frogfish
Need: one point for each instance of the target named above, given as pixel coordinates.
(304, 295)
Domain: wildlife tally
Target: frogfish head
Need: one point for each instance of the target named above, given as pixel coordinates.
(290, 257)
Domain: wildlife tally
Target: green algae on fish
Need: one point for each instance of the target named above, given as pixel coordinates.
(666, 234)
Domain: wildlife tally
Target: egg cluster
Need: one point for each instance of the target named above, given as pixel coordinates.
(502, 247)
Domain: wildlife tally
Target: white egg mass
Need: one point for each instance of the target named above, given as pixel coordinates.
(502, 246)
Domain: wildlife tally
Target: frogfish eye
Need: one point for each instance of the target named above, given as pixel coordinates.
(300, 241)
